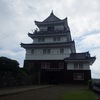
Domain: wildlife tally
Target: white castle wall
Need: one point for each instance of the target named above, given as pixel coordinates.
(46, 56)
(53, 50)
(54, 54)
(70, 66)
(50, 39)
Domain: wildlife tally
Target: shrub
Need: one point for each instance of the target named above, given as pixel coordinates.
(90, 84)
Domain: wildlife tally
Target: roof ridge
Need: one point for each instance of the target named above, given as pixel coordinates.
(52, 17)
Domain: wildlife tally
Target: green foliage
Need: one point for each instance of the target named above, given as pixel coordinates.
(7, 64)
(79, 95)
(9, 70)
(90, 84)
(12, 75)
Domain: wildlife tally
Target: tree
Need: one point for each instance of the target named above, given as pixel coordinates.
(7, 64)
(9, 70)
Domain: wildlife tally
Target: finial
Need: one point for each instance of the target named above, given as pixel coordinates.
(52, 12)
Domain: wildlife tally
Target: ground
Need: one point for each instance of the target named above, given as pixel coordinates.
(48, 93)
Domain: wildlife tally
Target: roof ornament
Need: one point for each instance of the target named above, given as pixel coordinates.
(52, 12)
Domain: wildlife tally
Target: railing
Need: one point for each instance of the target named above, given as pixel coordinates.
(50, 32)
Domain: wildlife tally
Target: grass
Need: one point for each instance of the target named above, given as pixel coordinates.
(79, 95)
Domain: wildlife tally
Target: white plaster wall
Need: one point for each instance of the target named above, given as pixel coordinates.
(70, 66)
(53, 50)
(54, 54)
(50, 40)
(46, 56)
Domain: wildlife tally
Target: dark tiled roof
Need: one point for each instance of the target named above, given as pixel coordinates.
(47, 44)
(46, 33)
(80, 56)
(77, 56)
(51, 17)
(51, 32)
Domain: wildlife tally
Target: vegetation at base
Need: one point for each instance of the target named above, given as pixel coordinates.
(12, 75)
(90, 84)
(79, 95)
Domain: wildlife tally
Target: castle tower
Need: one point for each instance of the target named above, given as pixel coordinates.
(53, 53)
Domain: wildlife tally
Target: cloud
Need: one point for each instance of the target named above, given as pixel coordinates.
(17, 19)
(89, 41)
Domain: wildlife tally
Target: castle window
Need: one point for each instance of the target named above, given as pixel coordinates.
(32, 51)
(51, 28)
(61, 65)
(48, 51)
(45, 65)
(75, 65)
(78, 65)
(41, 39)
(44, 51)
(61, 51)
(78, 76)
(54, 39)
(42, 65)
(58, 38)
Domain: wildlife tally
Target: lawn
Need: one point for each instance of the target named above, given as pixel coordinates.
(79, 95)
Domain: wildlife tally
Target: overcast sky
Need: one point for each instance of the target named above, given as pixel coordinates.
(17, 19)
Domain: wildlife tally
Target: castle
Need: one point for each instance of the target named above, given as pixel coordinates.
(53, 54)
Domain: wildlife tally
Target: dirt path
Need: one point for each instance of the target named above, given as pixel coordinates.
(50, 93)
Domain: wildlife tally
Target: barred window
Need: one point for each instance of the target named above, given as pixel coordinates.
(45, 65)
(58, 38)
(44, 51)
(61, 50)
(51, 28)
(54, 39)
(48, 51)
(41, 39)
(61, 65)
(78, 76)
(32, 51)
(75, 65)
(78, 65)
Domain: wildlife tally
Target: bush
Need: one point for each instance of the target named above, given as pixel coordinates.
(90, 84)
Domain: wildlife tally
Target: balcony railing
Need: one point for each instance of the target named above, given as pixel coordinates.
(50, 32)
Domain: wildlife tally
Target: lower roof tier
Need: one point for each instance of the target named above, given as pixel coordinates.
(50, 45)
(74, 57)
